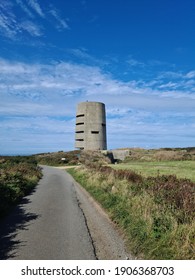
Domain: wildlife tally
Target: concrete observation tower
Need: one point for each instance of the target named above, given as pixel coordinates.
(90, 131)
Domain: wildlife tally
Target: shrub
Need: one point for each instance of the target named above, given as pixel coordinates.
(17, 178)
(176, 194)
(93, 158)
(55, 159)
(167, 155)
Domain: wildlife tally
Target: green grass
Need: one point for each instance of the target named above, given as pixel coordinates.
(182, 169)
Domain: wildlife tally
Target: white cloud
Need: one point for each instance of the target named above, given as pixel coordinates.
(168, 85)
(16, 26)
(82, 55)
(133, 62)
(8, 22)
(72, 79)
(36, 134)
(171, 75)
(151, 130)
(190, 75)
(24, 8)
(11, 26)
(9, 67)
(31, 28)
(62, 24)
(36, 7)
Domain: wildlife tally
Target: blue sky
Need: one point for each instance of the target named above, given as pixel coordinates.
(136, 56)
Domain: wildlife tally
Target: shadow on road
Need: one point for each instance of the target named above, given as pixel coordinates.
(17, 219)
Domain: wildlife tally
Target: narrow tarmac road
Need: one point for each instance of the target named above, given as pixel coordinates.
(48, 224)
(59, 220)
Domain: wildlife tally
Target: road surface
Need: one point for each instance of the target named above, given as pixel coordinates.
(59, 220)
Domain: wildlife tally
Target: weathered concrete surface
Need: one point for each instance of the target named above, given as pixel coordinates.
(90, 131)
(119, 154)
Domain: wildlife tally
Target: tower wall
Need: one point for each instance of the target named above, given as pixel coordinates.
(90, 131)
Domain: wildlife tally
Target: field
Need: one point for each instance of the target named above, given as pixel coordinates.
(182, 169)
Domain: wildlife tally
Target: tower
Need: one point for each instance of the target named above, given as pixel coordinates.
(90, 131)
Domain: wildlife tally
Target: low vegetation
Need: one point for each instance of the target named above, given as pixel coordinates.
(164, 154)
(71, 158)
(156, 213)
(59, 158)
(18, 176)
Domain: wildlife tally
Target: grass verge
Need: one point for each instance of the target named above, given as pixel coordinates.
(156, 214)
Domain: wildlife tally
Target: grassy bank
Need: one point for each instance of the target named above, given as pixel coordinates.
(18, 176)
(182, 169)
(156, 213)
